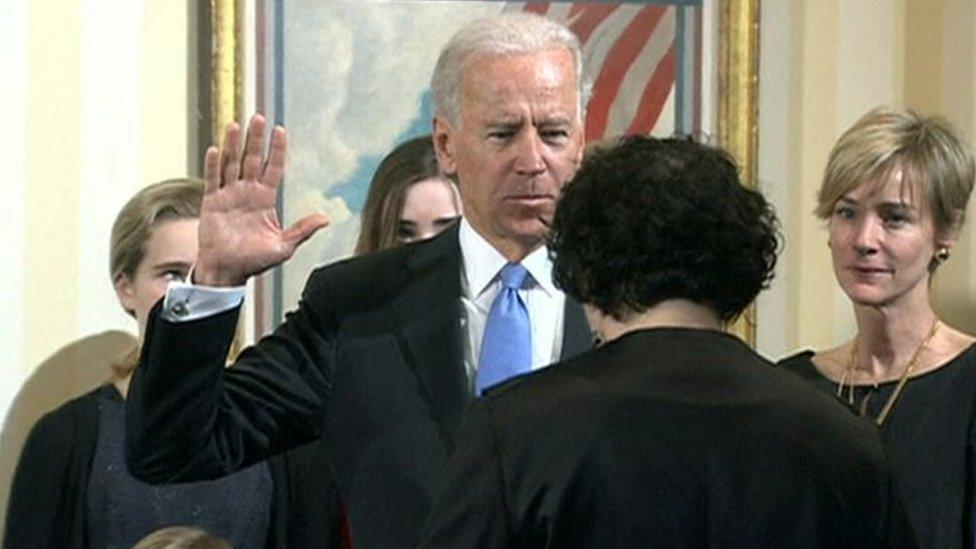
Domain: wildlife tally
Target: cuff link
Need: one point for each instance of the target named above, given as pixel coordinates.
(180, 309)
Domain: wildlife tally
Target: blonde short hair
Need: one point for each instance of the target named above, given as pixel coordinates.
(933, 157)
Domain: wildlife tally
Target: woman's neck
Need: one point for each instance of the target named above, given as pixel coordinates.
(671, 313)
(888, 337)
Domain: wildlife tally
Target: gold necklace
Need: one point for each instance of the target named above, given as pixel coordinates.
(848, 376)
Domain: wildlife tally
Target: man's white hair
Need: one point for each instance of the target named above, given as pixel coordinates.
(511, 33)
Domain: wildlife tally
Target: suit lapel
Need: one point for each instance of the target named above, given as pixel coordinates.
(429, 313)
(577, 337)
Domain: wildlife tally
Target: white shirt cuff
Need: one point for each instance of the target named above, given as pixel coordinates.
(185, 302)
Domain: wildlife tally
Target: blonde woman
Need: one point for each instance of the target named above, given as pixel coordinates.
(894, 195)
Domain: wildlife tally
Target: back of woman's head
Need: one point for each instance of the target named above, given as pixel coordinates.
(163, 201)
(409, 162)
(653, 219)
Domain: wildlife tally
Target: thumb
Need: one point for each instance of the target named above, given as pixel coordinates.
(303, 229)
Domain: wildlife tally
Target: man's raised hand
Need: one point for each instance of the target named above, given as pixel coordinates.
(240, 234)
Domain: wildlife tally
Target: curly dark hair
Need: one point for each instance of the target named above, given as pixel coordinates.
(650, 219)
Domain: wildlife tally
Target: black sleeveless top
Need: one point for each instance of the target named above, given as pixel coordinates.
(930, 435)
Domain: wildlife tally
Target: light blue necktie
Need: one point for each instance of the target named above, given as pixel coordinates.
(506, 348)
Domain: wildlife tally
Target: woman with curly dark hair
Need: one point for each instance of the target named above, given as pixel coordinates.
(672, 433)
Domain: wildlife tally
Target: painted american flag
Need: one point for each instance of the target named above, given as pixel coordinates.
(641, 58)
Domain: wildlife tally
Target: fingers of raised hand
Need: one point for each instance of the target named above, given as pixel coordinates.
(302, 230)
(211, 169)
(274, 168)
(230, 158)
(253, 149)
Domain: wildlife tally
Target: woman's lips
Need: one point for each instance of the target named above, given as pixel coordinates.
(870, 272)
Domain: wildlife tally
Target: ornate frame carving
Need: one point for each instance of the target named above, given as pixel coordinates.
(738, 105)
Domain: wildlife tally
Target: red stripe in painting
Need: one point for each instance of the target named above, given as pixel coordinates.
(615, 67)
(655, 94)
(590, 17)
(537, 7)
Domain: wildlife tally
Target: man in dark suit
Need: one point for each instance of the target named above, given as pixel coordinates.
(671, 433)
(385, 351)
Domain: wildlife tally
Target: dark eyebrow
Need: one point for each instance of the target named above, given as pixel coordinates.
(407, 222)
(172, 265)
(505, 125)
(445, 220)
(897, 206)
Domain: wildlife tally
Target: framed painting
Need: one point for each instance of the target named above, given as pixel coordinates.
(350, 80)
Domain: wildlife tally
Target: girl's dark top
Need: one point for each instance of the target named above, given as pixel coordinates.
(49, 496)
(931, 439)
(122, 510)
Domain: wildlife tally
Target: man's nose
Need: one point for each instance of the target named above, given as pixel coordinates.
(530, 160)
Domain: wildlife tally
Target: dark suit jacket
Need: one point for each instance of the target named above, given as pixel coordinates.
(371, 361)
(664, 438)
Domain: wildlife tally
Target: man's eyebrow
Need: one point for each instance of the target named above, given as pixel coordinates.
(554, 121)
(509, 123)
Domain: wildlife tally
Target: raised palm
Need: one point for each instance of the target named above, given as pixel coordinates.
(240, 233)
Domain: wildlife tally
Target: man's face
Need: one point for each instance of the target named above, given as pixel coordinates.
(520, 139)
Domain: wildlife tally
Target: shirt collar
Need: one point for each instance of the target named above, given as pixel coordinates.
(482, 262)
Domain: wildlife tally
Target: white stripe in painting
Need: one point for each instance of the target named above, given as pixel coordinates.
(605, 35)
(665, 122)
(625, 106)
(559, 11)
(111, 55)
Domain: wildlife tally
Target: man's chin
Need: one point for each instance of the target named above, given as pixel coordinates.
(532, 231)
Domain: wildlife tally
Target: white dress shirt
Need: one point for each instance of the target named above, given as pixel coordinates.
(480, 265)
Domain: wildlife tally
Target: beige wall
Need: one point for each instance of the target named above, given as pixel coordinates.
(823, 64)
(95, 106)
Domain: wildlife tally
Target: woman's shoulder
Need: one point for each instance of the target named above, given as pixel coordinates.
(800, 360)
(817, 365)
(801, 363)
(79, 414)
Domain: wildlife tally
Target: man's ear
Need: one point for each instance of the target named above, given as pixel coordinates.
(125, 292)
(443, 135)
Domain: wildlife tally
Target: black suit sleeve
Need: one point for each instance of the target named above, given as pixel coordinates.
(470, 510)
(189, 418)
